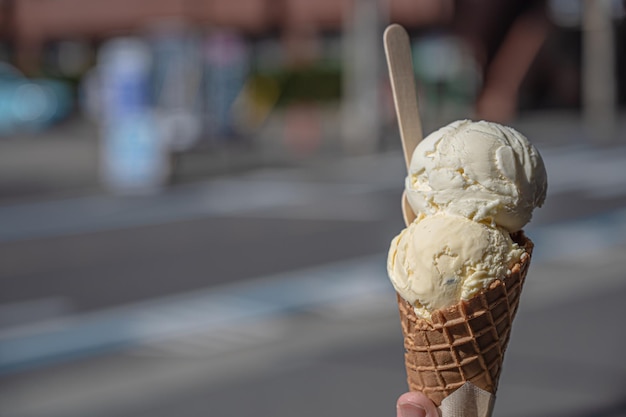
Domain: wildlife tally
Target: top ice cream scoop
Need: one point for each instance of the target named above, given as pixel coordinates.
(482, 171)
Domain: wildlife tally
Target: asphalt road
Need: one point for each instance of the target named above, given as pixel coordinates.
(76, 271)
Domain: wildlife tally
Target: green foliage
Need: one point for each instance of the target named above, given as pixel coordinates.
(319, 83)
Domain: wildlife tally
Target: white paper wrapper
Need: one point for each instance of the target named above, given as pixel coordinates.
(468, 401)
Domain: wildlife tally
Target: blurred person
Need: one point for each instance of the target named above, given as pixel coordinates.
(505, 38)
(176, 81)
(227, 58)
(415, 404)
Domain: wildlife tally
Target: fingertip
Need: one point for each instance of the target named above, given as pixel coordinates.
(415, 404)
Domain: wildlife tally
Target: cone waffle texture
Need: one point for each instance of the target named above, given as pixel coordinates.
(465, 342)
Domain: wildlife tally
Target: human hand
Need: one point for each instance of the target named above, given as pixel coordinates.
(415, 404)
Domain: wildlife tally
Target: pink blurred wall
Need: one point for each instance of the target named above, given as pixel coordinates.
(36, 21)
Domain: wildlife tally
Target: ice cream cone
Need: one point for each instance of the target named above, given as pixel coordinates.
(465, 342)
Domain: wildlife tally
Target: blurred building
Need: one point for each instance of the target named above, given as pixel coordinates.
(35, 22)
(473, 58)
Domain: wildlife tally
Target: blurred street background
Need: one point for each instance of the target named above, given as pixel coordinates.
(197, 198)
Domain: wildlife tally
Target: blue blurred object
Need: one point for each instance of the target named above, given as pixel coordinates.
(28, 104)
(134, 159)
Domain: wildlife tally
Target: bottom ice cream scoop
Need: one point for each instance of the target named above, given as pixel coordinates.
(441, 259)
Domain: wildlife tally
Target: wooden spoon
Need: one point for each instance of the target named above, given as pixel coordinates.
(400, 64)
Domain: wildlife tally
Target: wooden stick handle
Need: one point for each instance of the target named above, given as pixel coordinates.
(399, 61)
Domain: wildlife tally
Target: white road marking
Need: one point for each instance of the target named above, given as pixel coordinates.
(209, 310)
(598, 172)
(216, 198)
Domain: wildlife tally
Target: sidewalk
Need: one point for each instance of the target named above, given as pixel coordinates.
(63, 161)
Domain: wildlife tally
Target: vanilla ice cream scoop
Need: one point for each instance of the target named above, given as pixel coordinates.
(441, 259)
(480, 170)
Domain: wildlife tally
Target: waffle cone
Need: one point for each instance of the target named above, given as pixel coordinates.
(465, 342)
